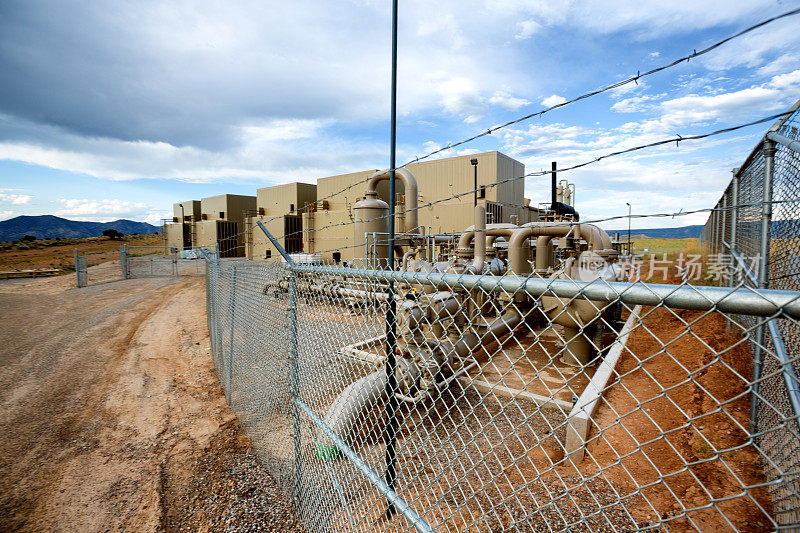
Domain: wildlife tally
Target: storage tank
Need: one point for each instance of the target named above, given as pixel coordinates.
(372, 228)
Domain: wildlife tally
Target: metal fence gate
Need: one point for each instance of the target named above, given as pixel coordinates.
(96, 268)
(136, 262)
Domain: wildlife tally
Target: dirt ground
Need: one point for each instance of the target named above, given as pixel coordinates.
(113, 419)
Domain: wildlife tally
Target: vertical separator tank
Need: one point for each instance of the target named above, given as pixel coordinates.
(372, 228)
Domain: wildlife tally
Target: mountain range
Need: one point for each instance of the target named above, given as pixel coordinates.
(684, 232)
(51, 227)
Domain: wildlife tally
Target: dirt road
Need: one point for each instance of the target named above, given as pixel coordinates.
(112, 418)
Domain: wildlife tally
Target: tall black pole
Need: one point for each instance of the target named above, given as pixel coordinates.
(391, 342)
(474, 162)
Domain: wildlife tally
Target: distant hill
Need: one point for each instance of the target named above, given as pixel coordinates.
(685, 232)
(50, 227)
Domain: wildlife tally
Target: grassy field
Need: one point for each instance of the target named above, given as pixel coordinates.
(669, 246)
(59, 253)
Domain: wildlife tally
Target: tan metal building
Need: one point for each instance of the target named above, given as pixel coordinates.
(214, 221)
(281, 209)
(181, 233)
(328, 225)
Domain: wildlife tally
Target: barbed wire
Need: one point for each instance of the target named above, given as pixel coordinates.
(670, 214)
(632, 79)
(676, 139)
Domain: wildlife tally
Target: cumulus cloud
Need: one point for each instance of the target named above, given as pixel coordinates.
(648, 18)
(15, 199)
(505, 100)
(555, 99)
(105, 210)
(773, 95)
(527, 28)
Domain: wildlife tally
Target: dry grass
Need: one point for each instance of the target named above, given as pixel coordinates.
(53, 253)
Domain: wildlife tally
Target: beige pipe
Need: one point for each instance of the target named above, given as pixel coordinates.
(492, 231)
(544, 254)
(498, 328)
(406, 257)
(597, 239)
(479, 255)
(410, 184)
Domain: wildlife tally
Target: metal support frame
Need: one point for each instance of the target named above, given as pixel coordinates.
(763, 277)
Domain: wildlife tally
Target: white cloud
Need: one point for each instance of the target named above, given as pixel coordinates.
(636, 104)
(503, 99)
(632, 86)
(7, 214)
(443, 25)
(783, 63)
(16, 199)
(555, 99)
(109, 208)
(654, 54)
(106, 210)
(460, 96)
(527, 28)
(647, 18)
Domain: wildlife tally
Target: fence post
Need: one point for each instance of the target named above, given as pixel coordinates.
(123, 260)
(229, 369)
(77, 270)
(294, 360)
(294, 355)
(763, 276)
(734, 217)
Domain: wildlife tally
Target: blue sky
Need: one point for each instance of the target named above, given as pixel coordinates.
(117, 109)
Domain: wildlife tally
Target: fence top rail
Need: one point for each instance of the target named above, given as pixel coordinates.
(742, 300)
(785, 141)
(760, 145)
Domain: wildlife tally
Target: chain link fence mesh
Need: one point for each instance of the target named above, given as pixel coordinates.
(744, 224)
(500, 427)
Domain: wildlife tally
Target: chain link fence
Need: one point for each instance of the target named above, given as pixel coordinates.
(520, 403)
(137, 262)
(755, 230)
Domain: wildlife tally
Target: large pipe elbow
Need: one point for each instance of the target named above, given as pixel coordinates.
(411, 192)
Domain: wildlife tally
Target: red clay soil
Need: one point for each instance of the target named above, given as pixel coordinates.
(669, 376)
